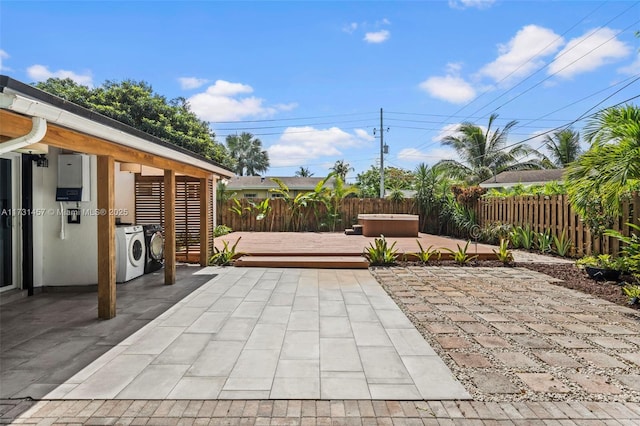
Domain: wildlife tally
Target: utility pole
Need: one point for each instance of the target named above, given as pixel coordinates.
(384, 149)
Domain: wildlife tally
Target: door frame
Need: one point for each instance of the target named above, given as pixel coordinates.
(16, 220)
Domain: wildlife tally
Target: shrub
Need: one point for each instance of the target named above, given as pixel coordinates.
(461, 256)
(379, 253)
(225, 256)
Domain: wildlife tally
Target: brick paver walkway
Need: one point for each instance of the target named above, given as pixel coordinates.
(310, 412)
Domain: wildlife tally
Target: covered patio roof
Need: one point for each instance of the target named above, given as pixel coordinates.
(29, 115)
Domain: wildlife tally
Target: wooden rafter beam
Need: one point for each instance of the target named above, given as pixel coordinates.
(14, 125)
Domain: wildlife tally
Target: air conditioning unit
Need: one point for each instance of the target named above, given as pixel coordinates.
(74, 178)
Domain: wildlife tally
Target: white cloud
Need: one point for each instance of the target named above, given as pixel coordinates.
(350, 28)
(377, 37)
(41, 73)
(592, 50)
(223, 101)
(633, 68)
(363, 134)
(3, 55)
(298, 145)
(189, 83)
(463, 4)
(450, 88)
(432, 156)
(523, 54)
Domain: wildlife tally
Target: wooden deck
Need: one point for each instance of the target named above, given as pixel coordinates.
(278, 246)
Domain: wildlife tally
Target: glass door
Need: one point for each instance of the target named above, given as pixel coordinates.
(6, 224)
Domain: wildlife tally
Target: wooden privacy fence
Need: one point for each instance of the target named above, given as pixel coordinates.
(556, 215)
(314, 216)
(149, 202)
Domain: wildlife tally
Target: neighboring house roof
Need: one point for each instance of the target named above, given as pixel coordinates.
(31, 101)
(239, 183)
(524, 177)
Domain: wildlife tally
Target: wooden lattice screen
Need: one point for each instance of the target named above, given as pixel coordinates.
(150, 210)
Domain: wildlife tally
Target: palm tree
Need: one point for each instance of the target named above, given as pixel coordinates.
(484, 154)
(303, 172)
(564, 147)
(341, 169)
(248, 154)
(611, 167)
(431, 189)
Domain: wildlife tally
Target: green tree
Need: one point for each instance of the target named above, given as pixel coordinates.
(250, 158)
(563, 146)
(303, 172)
(137, 105)
(395, 178)
(604, 174)
(485, 153)
(342, 169)
(431, 186)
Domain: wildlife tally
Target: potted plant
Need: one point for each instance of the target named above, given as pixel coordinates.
(602, 267)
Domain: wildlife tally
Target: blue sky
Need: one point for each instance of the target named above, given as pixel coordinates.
(309, 77)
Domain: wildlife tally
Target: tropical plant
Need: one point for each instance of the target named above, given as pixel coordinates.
(495, 232)
(632, 292)
(342, 169)
(261, 209)
(602, 261)
(485, 153)
(248, 154)
(379, 253)
(226, 255)
(544, 241)
(526, 236)
(303, 172)
(563, 146)
(425, 255)
(221, 230)
(239, 209)
(297, 205)
(631, 246)
(333, 197)
(461, 256)
(503, 253)
(396, 195)
(610, 169)
(514, 238)
(562, 244)
(431, 186)
(462, 217)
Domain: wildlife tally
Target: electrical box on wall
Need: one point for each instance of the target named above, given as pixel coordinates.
(74, 178)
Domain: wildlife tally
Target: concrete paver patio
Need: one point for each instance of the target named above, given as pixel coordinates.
(273, 334)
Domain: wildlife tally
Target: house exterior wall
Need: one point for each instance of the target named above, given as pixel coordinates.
(71, 259)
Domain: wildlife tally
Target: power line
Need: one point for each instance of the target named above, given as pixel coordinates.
(551, 75)
(530, 59)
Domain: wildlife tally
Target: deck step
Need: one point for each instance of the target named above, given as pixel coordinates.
(320, 262)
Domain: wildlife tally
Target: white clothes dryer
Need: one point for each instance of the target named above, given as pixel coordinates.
(130, 252)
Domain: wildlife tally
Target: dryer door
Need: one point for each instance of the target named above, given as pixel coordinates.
(136, 249)
(156, 246)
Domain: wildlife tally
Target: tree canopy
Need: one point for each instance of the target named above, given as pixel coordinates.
(136, 104)
(341, 168)
(485, 153)
(563, 146)
(611, 167)
(250, 159)
(394, 178)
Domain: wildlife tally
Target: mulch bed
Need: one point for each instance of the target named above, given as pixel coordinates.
(572, 277)
(576, 279)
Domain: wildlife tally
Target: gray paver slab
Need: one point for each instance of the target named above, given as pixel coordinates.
(296, 334)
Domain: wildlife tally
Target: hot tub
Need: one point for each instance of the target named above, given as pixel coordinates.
(389, 225)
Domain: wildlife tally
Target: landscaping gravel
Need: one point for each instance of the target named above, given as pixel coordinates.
(515, 334)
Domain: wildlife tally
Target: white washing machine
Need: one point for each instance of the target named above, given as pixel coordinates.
(130, 252)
